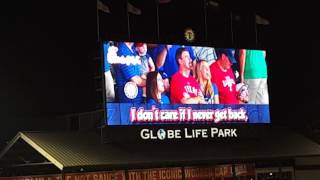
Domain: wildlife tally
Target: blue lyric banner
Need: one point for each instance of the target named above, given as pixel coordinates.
(148, 114)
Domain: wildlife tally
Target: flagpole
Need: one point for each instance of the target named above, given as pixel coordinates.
(255, 30)
(205, 21)
(128, 22)
(231, 28)
(158, 25)
(98, 22)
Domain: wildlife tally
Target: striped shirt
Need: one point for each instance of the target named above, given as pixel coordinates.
(205, 53)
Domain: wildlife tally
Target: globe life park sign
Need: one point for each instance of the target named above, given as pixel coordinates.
(188, 133)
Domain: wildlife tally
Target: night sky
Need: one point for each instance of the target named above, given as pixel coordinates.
(46, 65)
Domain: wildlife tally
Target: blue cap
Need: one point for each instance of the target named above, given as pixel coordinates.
(163, 75)
(228, 53)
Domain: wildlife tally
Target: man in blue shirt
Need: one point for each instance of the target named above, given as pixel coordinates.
(129, 84)
(166, 58)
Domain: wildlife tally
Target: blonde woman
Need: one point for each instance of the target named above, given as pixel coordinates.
(203, 76)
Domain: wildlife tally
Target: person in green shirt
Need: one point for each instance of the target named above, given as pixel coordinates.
(253, 72)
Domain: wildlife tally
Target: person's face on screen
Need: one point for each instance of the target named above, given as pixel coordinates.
(225, 62)
(160, 83)
(142, 49)
(185, 60)
(205, 70)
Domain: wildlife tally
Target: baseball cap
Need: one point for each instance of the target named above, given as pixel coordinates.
(163, 74)
(139, 44)
(228, 53)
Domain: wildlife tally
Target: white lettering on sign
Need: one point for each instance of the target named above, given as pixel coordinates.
(215, 132)
(183, 114)
(188, 133)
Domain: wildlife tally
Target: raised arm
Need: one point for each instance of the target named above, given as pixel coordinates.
(139, 80)
(242, 62)
(162, 56)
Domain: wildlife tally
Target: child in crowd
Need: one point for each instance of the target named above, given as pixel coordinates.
(147, 64)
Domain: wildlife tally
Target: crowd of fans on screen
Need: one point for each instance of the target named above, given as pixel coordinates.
(178, 74)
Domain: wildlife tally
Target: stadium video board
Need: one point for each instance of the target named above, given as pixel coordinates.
(149, 84)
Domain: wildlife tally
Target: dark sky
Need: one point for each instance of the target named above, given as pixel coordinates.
(46, 51)
(46, 66)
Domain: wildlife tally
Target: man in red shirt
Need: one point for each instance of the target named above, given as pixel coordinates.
(223, 76)
(184, 88)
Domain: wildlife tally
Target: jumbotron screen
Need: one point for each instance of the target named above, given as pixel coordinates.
(148, 84)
